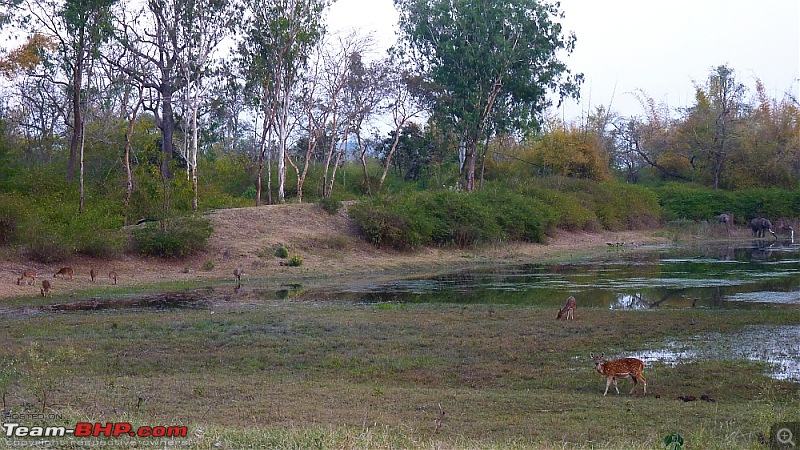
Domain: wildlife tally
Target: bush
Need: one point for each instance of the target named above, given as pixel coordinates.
(680, 201)
(52, 230)
(384, 228)
(569, 213)
(520, 218)
(282, 252)
(625, 207)
(295, 261)
(330, 205)
(174, 238)
(444, 217)
(11, 214)
(47, 247)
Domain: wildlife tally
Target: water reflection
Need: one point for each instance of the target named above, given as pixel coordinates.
(777, 346)
(747, 275)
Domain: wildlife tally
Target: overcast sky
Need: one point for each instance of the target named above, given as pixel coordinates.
(658, 47)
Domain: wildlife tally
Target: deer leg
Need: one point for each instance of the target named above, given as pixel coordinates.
(608, 383)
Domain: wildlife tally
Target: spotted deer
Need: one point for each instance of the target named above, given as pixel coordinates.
(45, 288)
(29, 275)
(568, 310)
(64, 272)
(92, 274)
(237, 274)
(620, 368)
(112, 276)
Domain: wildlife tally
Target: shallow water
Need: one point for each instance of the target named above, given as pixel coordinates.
(777, 346)
(745, 276)
(752, 275)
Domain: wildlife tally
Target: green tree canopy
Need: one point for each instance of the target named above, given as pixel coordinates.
(492, 64)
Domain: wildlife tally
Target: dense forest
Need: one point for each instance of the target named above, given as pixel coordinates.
(117, 111)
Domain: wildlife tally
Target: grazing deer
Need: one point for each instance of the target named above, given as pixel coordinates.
(568, 309)
(620, 368)
(92, 274)
(64, 272)
(237, 273)
(45, 288)
(29, 275)
(112, 276)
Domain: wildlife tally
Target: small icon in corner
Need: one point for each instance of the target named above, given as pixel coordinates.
(784, 435)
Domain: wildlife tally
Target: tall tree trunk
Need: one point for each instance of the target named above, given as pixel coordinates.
(483, 160)
(194, 155)
(83, 143)
(339, 152)
(127, 156)
(269, 175)
(363, 153)
(281, 158)
(329, 156)
(77, 113)
(167, 126)
(283, 137)
(389, 156)
(468, 177)
(261, 155)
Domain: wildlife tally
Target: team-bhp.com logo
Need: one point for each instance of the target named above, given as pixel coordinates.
(86, 429)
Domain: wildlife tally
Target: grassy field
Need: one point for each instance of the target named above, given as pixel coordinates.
(327, 374)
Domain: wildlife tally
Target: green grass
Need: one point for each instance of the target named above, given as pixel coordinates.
(322, 374)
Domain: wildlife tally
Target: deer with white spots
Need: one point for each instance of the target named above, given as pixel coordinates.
(620, 368)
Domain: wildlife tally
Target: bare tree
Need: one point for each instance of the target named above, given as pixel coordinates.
(280, 36)
(365, 92)
(211, 22)
(79, 29)
(719, 105)
(402, 94)
(152, 36)
(337, 57)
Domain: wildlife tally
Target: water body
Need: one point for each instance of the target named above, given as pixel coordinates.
(777, 346)
(742, 276)
(754, 274)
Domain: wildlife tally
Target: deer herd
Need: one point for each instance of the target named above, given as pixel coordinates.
(28, 277)
(619, 368)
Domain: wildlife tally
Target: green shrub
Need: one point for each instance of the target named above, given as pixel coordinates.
(330, 205)
(51, 229)
(384, 228)
(295, 261)
(617, 206)
(97, 232)
(282, 252)
(12, 213)
(48, 247)
(520, 218)
(445, 217)
(569, 213)
(207, 265)
(681, 201)
(174, 238)
(103, 244)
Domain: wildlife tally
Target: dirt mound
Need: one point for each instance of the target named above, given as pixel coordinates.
(329, 245)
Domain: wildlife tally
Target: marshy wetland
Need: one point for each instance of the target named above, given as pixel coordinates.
(471, 358)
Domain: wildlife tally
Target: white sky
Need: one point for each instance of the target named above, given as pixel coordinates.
(660, 47)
